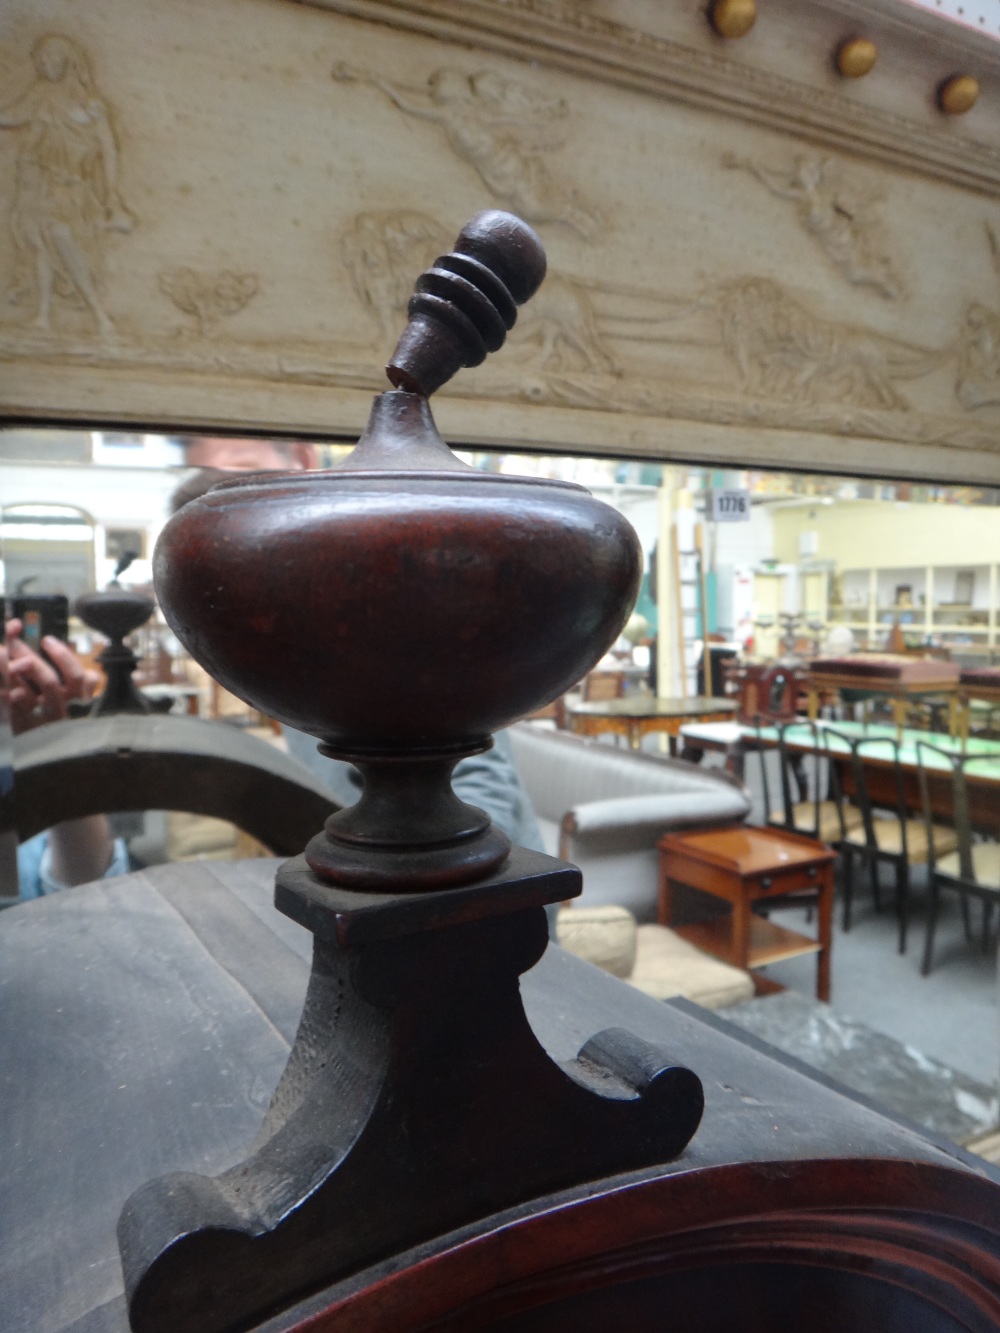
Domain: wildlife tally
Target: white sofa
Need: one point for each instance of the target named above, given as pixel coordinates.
(603, 808)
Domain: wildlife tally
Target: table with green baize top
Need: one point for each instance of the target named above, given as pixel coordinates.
(983, 776)
(636, 717)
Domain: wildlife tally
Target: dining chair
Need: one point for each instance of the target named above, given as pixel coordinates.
(973, 868)
(820, 811)
(817, 813)
(888, 832)
(601, 685)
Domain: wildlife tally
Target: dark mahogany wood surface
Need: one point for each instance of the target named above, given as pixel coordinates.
(145, 1021)
(128, 761)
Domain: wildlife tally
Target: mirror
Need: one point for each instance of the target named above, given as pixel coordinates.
(48, 549)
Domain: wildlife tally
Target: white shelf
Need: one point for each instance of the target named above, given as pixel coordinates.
(876, 620)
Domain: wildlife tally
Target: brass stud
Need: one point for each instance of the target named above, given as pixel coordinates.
(958, 95)
(856, 58)
(733, 18)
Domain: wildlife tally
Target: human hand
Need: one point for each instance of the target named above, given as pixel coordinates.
(38, 691)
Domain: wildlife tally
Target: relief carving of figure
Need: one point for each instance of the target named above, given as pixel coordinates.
(563, 327)
(783, 351)
(382, 251)
(977, 381)
(836, 214)
(66, 195)
(501, 128)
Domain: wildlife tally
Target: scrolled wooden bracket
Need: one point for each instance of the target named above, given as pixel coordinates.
(416, 1099)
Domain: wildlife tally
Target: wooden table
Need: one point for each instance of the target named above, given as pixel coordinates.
(144, 1024)
(979, 683)
(742, 866)
(900, 691)
(634, 718)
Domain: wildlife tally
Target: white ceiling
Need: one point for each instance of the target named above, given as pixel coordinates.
(982, 15)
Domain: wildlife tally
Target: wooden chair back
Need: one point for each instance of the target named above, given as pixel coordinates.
(601, 685)
(959, 817)
(856, 749)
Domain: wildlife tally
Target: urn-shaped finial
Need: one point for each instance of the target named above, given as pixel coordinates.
(117, 612)
(404, 606)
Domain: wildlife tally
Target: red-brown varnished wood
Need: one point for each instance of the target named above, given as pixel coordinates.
(765, 1247)
(747, 850)
(743, 865)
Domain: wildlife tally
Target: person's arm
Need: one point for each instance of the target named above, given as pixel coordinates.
(778, 183)
(79, 850)
(37, 691)
(117, 216)
(407, 99)
(491, 782)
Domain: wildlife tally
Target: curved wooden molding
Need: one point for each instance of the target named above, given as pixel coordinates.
(926, 1233)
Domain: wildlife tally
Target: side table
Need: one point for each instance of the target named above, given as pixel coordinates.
(745, 865)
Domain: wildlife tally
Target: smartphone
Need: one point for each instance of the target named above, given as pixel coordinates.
(42, 615)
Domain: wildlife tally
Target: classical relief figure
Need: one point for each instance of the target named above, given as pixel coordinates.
(977, 380)
(501, 128)
(783, 351)
(835, 214)
(381, 251)
(563, 327)
(66, 196)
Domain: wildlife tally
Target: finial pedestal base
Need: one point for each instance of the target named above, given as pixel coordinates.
(416, 1098)
(409, 830)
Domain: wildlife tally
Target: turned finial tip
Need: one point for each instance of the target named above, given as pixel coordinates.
(464, 305)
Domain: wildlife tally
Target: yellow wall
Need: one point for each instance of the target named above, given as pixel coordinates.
(876, 534)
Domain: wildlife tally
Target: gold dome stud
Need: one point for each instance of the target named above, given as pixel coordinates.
(733, 18)
(958, 95)
(856, 58)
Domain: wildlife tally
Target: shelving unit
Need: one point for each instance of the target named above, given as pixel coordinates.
(955, 605)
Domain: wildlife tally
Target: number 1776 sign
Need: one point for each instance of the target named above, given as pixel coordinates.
(730, 506)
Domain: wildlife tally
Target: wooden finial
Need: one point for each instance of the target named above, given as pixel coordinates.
(465, 304)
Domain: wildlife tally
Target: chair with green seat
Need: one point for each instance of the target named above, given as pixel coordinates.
(972, 869)
(887, 833)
